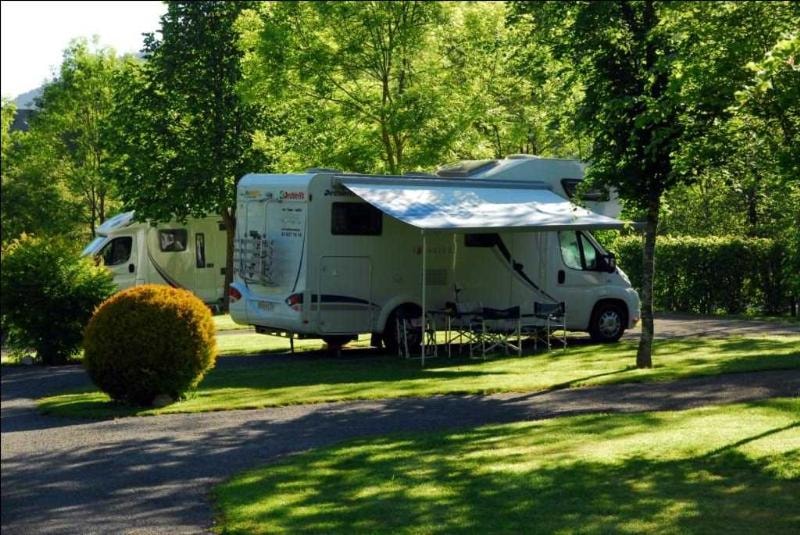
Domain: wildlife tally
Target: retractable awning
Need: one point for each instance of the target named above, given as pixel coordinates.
(475, 205)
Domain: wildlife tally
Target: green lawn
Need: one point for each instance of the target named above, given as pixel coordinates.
(725, 469)
(360, 374)
(223, 322)
(252, 343)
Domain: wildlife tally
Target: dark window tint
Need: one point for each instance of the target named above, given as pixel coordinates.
(117, 251)
(200, 249)
(590, 254)
(570, 250)
(578, 251)
(570, 185)
(349, 218)
(172, 240)
(481, 240)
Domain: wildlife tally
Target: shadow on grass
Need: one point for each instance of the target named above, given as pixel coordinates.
(112, 470)
(404, 485)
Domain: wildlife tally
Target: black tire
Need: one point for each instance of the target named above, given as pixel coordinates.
(390, 341)
(608, 323)
(390, 334)
(336, 342)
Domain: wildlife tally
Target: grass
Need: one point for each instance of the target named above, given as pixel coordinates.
(252, 343)
(755, 316)
(725, 469)
(223, 322)
(361, 374)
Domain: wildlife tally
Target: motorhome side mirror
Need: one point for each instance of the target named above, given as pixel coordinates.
(610, 262)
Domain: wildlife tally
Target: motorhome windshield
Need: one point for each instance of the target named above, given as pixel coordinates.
(94, 246)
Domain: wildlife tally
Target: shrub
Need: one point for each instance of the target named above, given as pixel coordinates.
(711, 274)
(149, 341)
(48, 293)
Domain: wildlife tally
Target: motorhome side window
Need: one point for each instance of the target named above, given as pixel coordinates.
(481, 240)
(172, 240)
(117, 251)
(577, 251)
(350, 218)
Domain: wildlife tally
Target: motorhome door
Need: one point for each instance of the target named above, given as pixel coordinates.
(579, 282)
(344, 301)
(119, 256)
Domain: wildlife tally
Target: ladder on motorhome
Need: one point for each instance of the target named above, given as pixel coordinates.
(253, 259)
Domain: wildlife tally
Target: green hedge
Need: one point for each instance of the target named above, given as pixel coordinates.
(712, 274)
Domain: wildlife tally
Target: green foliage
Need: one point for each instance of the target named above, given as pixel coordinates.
(773, 95)
(71, 126)
(9, 110)
(369, 71)
(712, 274)
(148, 341)
(36, 199)
(660, 82)
(48, 294)
(186, 135)
(397, 86)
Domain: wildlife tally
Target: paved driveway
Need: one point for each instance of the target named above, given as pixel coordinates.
(153, 475)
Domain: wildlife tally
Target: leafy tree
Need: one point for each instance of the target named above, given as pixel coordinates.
(628, 110)
(9, 110)
(392, 86)
(35, 199)
(773, 93)
(74, 113)
(366, 73)
(186, 135)
(657, 76)
(520, 96)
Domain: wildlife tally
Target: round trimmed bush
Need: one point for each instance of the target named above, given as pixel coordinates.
(149, 341)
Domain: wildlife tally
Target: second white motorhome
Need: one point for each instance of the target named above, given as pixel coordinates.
(331, 255)
(188, 255)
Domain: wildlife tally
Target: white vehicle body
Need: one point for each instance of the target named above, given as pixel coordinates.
(314, 259)
(187, 255)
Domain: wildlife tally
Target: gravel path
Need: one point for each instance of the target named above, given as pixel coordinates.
(153, 475)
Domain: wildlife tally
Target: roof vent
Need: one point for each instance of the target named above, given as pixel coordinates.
(466, 168)
(523, 157)
(322, 170)
(421, 174)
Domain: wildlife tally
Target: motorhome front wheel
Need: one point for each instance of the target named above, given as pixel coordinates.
(608, 323)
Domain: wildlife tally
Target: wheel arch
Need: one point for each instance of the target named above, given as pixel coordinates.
(390, 306)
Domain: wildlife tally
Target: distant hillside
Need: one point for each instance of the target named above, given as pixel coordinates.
(25, 101)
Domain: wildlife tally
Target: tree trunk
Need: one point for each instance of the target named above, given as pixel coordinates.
(644, 357)
(229, 218)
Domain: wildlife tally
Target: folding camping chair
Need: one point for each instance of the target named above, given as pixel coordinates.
(497, 328)
(555, 318)
(410, 332)
(459, 328)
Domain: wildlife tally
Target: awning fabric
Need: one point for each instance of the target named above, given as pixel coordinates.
(475, 205)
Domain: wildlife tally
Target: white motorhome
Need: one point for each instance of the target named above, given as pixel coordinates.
(187, 255)
(332, 255)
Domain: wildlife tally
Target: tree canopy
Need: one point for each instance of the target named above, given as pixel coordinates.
(690, 110)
